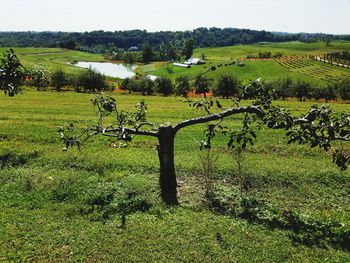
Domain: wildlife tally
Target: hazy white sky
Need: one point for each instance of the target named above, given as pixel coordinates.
(328, 16)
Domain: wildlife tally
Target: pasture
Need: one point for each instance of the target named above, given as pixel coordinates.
(57, 205)
(317, 72)
(52, 59)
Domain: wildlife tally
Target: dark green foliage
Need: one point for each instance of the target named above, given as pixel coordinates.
(188, 48)
(305, 229)
(59, 79)
(98, 41)
(131, 85)
(328, 93)
(146, 86)
(302, 90)
(69, 44)
(202, 85)
(147, 53)
(164, 86)
(39, 79)
(343, 88)
(12, 73)
(343, 55)
(107, 199)
(10, 159)
(284, 88)
(92, 81)
(182, 87)
(227, 86)
(244, 136)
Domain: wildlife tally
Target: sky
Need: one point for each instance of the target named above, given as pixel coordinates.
(311, 16)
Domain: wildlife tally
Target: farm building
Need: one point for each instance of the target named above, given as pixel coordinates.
(181, 65)
(133, 49)
(194, 61)
(152, 77)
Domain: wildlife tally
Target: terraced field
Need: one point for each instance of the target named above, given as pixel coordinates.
(315, 69)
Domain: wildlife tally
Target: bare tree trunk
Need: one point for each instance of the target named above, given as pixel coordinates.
(167, 179)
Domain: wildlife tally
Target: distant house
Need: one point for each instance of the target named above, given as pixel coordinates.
(133, 49)
(194, 61)
(152, 77)
(181, 65)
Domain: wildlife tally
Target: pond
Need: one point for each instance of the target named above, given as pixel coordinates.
(121, 71)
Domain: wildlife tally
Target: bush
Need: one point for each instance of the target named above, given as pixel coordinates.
(201, 85)
(39, 79)
(227, 86)
(146, 86)
(327, 93)
(164, 85)
(182, 86)
(93, 81)
(284, 88)
(302, 90)
(59, 79)
(343, 89)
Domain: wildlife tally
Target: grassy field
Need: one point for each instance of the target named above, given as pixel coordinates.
(260, 69)
(52, 201)
(315, 72)
(53, 58)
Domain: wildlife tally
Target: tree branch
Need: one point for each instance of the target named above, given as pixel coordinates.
(154, 127)
(107, 132)
(217, 116)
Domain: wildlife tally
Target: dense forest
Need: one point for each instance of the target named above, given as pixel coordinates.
(98, 41)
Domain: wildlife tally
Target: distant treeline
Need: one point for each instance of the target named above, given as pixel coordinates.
(100, 41)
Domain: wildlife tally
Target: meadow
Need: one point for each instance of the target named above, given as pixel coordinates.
(286, 202)
(267, 69)
(52, 59)
(59, 205)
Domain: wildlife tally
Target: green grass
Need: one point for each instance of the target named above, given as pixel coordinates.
(44, 191)
(269, 70)
(53, 58)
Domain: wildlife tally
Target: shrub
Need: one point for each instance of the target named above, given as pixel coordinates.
(284, 88)
(164, 85)
(343, 89)
(302, 90)
(182, 87)
(146, 86)
(201, 85)
(39, 79)
(59, 79)
(92, 81)
(227, 86)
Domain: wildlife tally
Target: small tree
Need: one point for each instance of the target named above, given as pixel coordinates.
(343, 88)
(284, 88)
(188, 48)
(58, 79)
(147, 53)
(12, 73)
(302, 90)
(164, 85)
(227, 86)
(201, 85)
(40, 79)
(319, 127)
(92, 81)
(146, 86)
(182, 87)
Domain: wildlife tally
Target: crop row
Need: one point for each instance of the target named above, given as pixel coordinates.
(311, 69)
